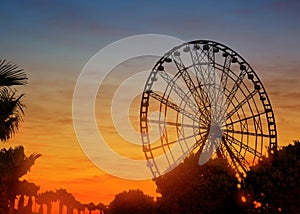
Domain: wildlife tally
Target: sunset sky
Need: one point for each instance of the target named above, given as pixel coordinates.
(53, 40)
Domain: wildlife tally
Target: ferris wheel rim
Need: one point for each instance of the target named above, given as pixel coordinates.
(147, 90)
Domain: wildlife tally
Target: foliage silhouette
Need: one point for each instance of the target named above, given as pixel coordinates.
(10, 74)
(91, 206)
(13, 165)
(132, 201)
(190, 188)
(46, 198)
(275, 182)
(79, 206)
(11, 107)
(102, 208)
(22, 189)
(66, 199)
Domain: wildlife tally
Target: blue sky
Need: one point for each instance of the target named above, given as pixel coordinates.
(78, 28)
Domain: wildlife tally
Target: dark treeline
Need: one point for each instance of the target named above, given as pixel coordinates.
(271, 186)
(21, 196)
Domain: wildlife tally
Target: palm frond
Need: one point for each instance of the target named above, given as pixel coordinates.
(26, 188)
(14, 163)
(11, 74)
(26, 164)
(11, 111)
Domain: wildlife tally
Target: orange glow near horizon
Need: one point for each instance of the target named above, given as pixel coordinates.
(64, 165)
(48, 129)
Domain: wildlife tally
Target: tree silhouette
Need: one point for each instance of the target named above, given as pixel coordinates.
(62, 197)
(66, 199)
(101, 207)
(11, 108)
(21, 189)
(190, 188)
(79, 206)
(274, 183)
(46, 198)
(13, 165)
(133, 201)
(91, 206)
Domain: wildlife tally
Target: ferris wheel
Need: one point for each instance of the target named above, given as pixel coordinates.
(203, 97)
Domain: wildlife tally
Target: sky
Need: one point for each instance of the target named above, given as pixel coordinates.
(53, 40)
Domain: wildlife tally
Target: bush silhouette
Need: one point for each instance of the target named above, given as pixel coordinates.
(133, 201)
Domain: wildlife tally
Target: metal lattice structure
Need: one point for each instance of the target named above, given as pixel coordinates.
(204, 97)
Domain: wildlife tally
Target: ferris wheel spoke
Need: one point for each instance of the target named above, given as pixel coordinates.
(222, 150)
(174, 124)
(199, 143)
(246, 133)
(235, 88)
(205, 72)
(173, 106)
(199, 60)
(164, 144)
(198, 95)
(236, 156)
(179, 91)
(242, 145)
(213, 89)
(224, 79)
(241, 104)
(209, 73)
(243, 119)
(211, 66)
(220, 153)
(225, 72)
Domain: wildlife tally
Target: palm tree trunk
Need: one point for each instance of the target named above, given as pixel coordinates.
(60, 207)
(11, 206)
(3, 198)
(41, 210)
(68, 210)
(20, 203)
(29, 205)
(49, 208)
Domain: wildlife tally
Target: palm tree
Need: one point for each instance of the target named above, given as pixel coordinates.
(11, 108)
(47, 198)
(66, 199)
(13, 165)
(70, 203)
(22, 188)
(101, 207)
(79, 206)
(61, 195)
(91, 206)
(11, 74)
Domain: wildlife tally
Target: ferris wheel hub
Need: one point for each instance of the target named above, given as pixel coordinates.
(215, 131)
